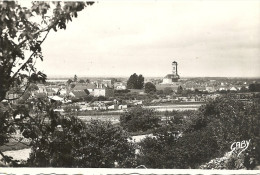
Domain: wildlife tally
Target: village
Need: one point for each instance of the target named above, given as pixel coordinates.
(104, 94)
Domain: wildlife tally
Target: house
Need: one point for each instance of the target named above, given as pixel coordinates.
(63, 92)
(79, 87)
(111, 107)
(41, 88)
(90, 88)
(233, 89)
(223, 88)
(107, 83)
(51, 92)
(78, 94)
(174, 86)
(201, 88)
(13, 96)
(210, 89)
(56, 98)
(118, 84)
(122, 106)
(120, 87)
(106, 92)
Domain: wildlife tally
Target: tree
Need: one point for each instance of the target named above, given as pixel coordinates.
(139, 119)
(179, 90)
(21, 35)
(81, 81)
(135, 82)
(254, 88)
(231, 121)
(243, 89)
(204, 135)
(132, 81)
(149, 88)
(72, 85)
(167, 91)
(75, 78)
(86, 91)
(69, 81)
(140, 82)
(167, 150)
(76, 144)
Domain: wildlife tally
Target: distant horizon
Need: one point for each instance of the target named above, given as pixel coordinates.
(108, 76)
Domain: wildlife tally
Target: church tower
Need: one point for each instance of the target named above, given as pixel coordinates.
(175, 76)
(175, 68)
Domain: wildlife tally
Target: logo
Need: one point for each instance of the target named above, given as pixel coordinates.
(236, 146)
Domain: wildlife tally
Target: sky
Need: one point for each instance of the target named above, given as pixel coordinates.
(115, 38)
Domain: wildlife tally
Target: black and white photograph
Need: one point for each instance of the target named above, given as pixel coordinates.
(130, 86)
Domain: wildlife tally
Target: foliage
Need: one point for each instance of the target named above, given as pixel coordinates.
(81, 81)
(179, 90)
(233, 121)
(20, 34)
(139, 119)
(135, 82)
(243, 89)
(96, 145)
(66, 141)
(75, 78)
(155, 154)
(99, 98)
(174, 147)
(89, 98)
(167, 91)
(121, 91)
(203, 135)
(86, 91)
(69, 81)
(71, 108)
(21, 40)
(72, 85)
(149, 88)
(254, 87)
(140, 82)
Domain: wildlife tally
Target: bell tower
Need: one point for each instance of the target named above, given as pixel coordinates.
(175, 68)
(175, 76)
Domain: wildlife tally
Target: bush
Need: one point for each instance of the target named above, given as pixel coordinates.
(204, 135)
(139, 119)
(94, 145)
(171, 150)
(149, 88)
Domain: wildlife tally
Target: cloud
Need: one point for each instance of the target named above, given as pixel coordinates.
(124, 37)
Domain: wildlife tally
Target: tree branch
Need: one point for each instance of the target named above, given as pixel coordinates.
(46, 29)
(4, 157)
(29, 57)
(11, 99)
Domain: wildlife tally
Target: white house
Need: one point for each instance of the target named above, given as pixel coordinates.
(120, 87)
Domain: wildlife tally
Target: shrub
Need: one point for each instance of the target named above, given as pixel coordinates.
(139, 119)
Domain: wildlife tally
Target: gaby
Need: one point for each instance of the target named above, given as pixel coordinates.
(240, 145)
